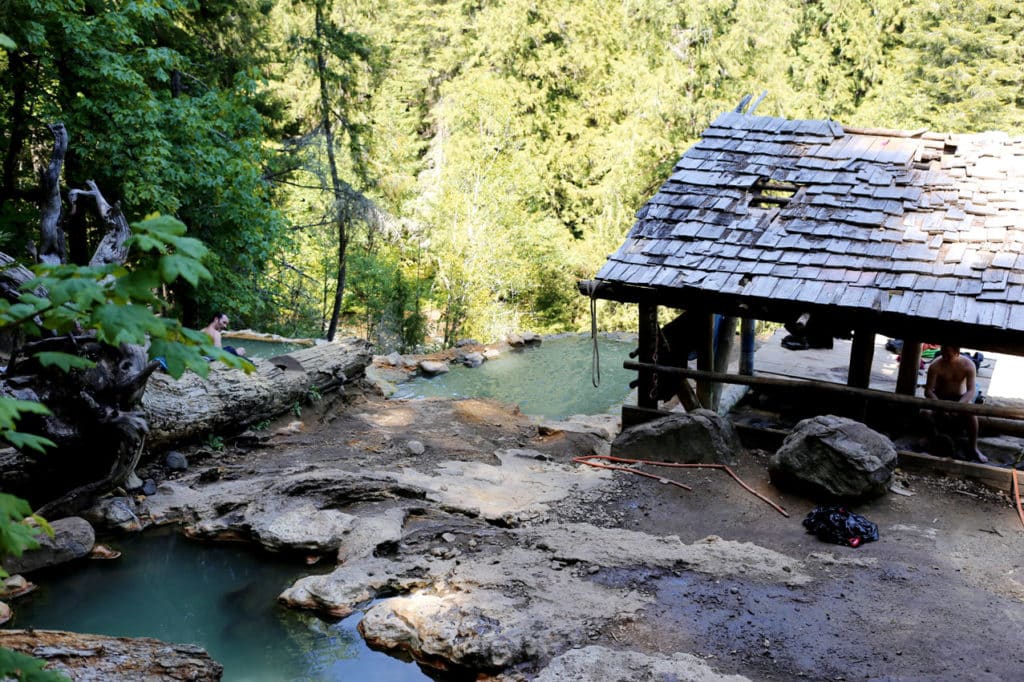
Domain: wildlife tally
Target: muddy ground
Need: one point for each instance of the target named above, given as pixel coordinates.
(939, 596)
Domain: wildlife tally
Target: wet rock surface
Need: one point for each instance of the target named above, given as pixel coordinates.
(491, 551)
(95, 658)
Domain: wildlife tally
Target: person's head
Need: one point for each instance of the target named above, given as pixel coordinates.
(950, 352)
(219, 321)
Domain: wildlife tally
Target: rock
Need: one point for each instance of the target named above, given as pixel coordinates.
(466, 342)
(491, 353)
(698, 436)
(114, 513)
(384, 379)
(473, 359)
(149, 487)
(16, 586)
(600, 663)
(306, 529)
(523, 339)
(395, 359)
(73, 539)
(370, 532)
(290, 429)
(588, 433)
(114, 659)
(834, 457)
(175, 461)
(433, 367)
(415, 447)
(133, 482)
(5, 613)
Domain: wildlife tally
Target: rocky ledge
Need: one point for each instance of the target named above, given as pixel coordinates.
(88, 658)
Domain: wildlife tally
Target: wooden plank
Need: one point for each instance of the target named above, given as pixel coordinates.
(910, 365)
(802, 385)
(648, 340)
(862, 353)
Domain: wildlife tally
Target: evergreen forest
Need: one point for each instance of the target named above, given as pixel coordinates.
(419, 171)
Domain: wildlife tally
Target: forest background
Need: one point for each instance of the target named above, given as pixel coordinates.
(418, 171)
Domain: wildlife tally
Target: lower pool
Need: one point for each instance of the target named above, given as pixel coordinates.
(551, 380)
(221, 597)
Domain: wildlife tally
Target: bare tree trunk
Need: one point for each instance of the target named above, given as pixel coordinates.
(341, 212)
(95, 422)
(51, 239)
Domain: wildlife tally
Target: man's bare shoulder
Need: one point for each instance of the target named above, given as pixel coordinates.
(965, 363)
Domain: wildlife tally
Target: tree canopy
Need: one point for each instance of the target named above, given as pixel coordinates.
(446, 167)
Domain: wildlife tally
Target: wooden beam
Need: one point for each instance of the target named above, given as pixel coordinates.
(705, 354)
(862, 353)
(893, 325)
(999, 478)
(723, 350)
(910, 365)
(648, 338)
(838, 389)
(747, 338)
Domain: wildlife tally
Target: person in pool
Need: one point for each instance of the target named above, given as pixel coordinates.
(218, 323)
(952, 376)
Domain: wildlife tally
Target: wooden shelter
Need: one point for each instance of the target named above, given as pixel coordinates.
(912, 234)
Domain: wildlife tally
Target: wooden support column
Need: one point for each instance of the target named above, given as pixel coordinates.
(861, 355)
(747, 346)
(648, 338)
(910, 364)
(723, 350)
(705, 323)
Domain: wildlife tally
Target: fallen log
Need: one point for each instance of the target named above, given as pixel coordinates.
(190, 407)
(97, 657)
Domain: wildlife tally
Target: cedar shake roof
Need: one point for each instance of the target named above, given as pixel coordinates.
(921, 225)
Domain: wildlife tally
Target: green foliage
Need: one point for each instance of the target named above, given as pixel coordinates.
(137, 83)
(25, 668)
(502, 147)
(214, 442)
(111, 301)
(19, 527)
(10, 410)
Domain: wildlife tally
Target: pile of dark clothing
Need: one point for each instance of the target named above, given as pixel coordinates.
(840, 526)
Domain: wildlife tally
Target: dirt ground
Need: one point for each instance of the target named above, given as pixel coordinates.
(939, 596)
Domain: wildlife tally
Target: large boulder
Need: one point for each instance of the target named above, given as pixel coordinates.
(698, 436)
(834, 457)
(73, 538)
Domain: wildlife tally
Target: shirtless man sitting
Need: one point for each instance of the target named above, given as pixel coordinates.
(218, 323)
(951, 376)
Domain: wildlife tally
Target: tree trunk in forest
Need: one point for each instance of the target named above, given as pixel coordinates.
(341, 212)
(51, 238)
(192, 407)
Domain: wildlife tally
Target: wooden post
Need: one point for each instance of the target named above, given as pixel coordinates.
(747, 346)
(648, 338)
(861, 355)
(723, 350)
(705, 354)
(910, 364)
